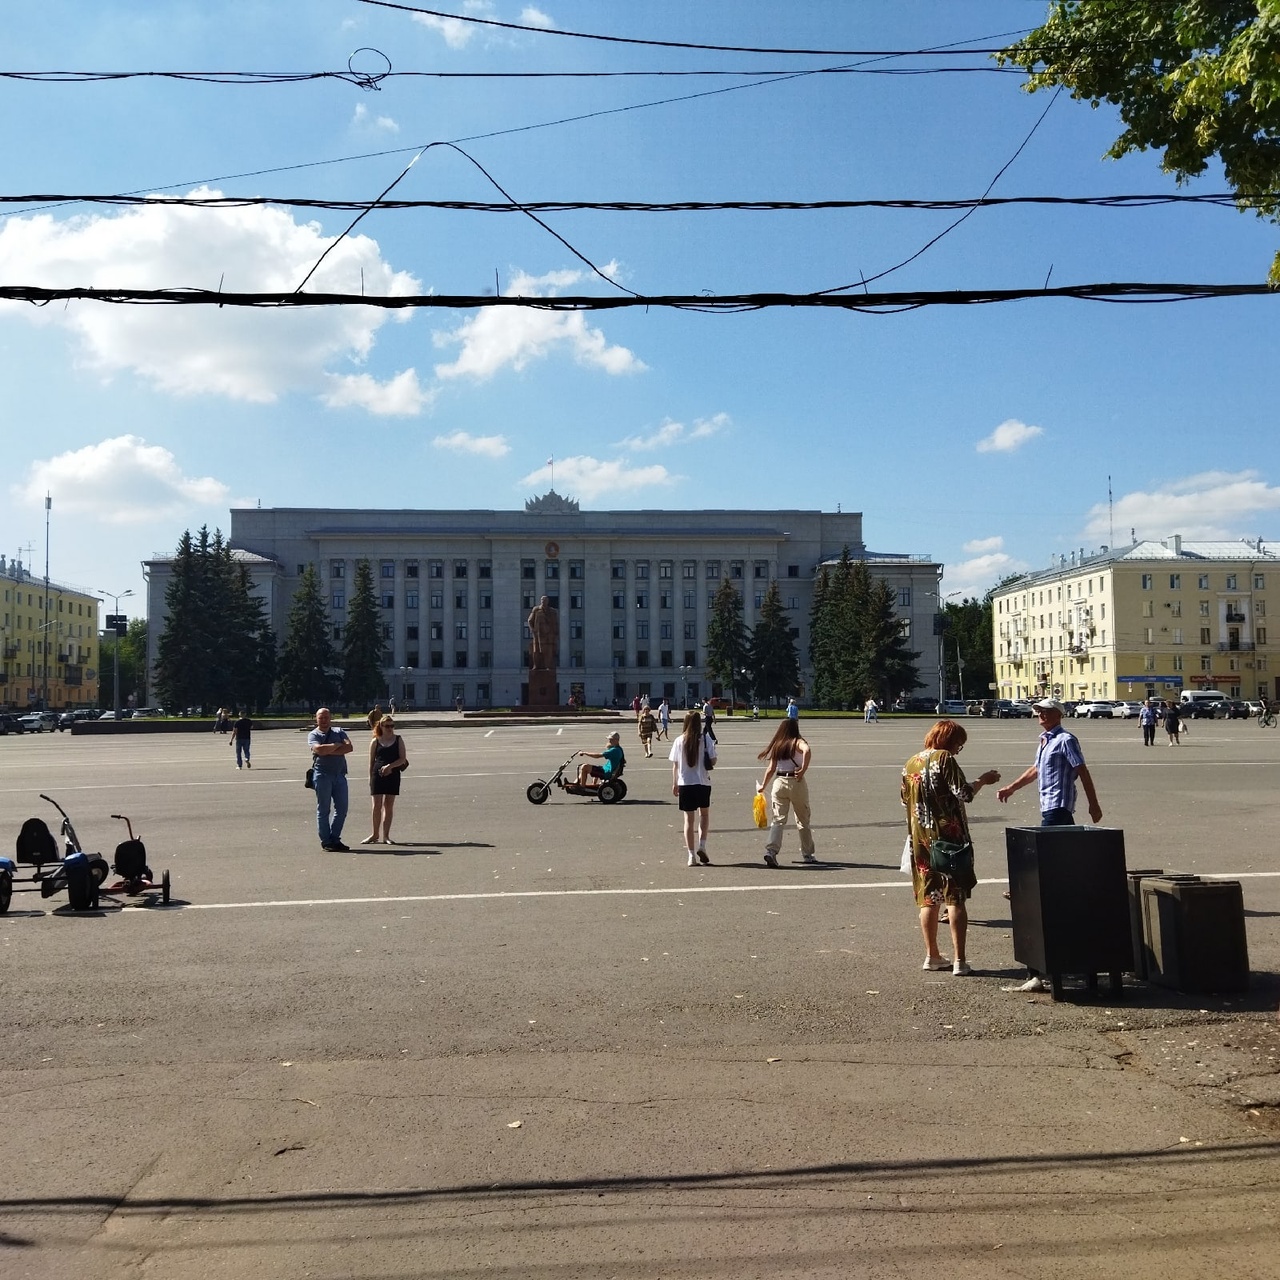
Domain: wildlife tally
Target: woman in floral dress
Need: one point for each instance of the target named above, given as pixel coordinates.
(935, 792)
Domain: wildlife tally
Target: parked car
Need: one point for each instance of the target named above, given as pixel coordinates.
(1256, 706)
(68, 718)
(1199, 710)
(1069, 708)
(33, 722)
(125, 713)
(1095, 711)
(1020, 709)
(1127, 710)
(952, 707)
(915, 703)
(1233, 709)
(143, 713)
(10, 724)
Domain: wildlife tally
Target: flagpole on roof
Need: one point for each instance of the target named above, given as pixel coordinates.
(551, 462)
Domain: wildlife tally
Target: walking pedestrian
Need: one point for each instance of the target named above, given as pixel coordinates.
(709, 720)
(1173, 725)
(692, 757)
(240, 734)
(646, 727)
(664, 719)
(793, 711)
(1147, 719)
(329, 750)
(935, 793)
(387, 761)
(789, 757)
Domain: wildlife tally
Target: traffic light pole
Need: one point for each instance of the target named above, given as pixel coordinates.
(120, 630)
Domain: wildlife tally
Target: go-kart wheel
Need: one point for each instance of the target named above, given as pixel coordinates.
(99, 870)
(6, 891)
(622, 789)
(164, 888)
(80, 888)
(609, 793)
(537, 792)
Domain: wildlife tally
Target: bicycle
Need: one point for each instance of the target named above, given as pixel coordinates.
(1267, 720)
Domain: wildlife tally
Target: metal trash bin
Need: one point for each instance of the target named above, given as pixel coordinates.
(1070, 903)
(1194, 935)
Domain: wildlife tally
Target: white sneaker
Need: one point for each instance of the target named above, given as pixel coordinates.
(693, 862)
(936, 966)
(961, 969)
(1032, 984)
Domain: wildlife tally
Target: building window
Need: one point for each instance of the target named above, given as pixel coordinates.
(387, 632)
(459, 568)
(690, 600)
(1148, 608)
(411, 633)
(337, 633)
(437, 599)
(642, 569)
(1148, 635)
(904, 598)
(336, 570)
(1259, 582)
(388, 569)
(642, 599)
(1177, 662)
(339, 600)
(664, 599)
(410, 599)
(1259, 608)
(793, 571)
(435, 568)
(459, 599)
(736, 570)
(1259, 635)
(690, 658)
(618, 570)
(1149, 662)
(484, 569)
(642, 631)
(1147, 580)
(1206, 662)
(387, 600)
(486, 600)
(486, 631)
(436, 631)
(1203, 582)
(689, 569)
(460, 659)
(528, 571)
(433, 693)
(666, 659)
(1204, 636)
(575, 599)
(551, 569)
(1204, 608)
(666, 631)
(526, 602)
(1175, 609)
(711, 601)
(460, 631)
(619, 659)
(642, 657)
(411, 659)
(1177, 635)
(1231, 582)
(713, 568)
(757, 600)
(575, 570)
(761, 570)
(1175, 582)
(619, 630)
(619, 600)
(575, 631)
(690, 630)
(410, 568)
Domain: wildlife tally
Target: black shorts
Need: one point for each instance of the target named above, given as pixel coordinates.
(597, 771)
(694, 798)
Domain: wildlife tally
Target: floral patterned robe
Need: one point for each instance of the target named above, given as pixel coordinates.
(935, 793)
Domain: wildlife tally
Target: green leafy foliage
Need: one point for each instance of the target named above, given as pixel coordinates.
(967, 640)
(133, 665)
(307, 658)
(217, 648)
(1193, 79)
(363, 682)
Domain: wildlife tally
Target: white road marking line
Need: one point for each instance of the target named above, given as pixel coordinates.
(490, 733)
(607, 893)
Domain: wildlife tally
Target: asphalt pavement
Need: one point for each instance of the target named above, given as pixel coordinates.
(528, 1041)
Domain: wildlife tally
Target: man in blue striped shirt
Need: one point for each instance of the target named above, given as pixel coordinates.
(1058, 764)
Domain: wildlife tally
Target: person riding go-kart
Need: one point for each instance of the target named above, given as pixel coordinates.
(599, 781)
(614, 762)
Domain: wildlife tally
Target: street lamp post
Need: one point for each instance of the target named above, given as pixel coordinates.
(115, 648)
(684, 676)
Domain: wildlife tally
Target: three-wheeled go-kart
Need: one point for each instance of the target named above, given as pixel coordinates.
(607, 790)
(82, 875)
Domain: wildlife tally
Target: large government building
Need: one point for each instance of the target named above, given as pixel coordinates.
(633, 589)
(50, 642)
(1143, 621)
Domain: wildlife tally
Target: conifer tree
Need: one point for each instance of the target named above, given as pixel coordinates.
(775, 664)
(307, 657)
(363, 681)
(728, 647)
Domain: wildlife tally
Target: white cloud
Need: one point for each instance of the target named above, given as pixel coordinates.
(671, 433)
(1009, 436)
(457, 34)
(497, 337)
(974, 577)
(532, 17)
(979, 546)
(589, 478)
(1212, 504)
(119, 481)
(483, 446)
(253, 354)
(361, 119)
(401, 396)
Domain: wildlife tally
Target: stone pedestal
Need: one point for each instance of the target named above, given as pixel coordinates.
(544, 690)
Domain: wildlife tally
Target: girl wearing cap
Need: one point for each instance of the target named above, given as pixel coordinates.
(692, 757)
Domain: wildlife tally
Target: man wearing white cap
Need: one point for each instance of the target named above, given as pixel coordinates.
(1059, 763)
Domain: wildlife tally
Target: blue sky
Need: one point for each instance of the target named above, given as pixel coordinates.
(984, 436)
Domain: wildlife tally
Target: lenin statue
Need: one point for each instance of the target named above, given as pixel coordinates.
(544, 633)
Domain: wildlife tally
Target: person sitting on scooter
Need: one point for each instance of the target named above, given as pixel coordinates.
(613, 758)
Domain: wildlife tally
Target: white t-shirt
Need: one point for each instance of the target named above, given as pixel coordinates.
(692, 775)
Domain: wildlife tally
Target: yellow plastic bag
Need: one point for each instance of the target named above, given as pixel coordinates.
(758, 810)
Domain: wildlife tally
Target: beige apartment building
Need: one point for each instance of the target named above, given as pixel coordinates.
(1149, 620)
(48, 642)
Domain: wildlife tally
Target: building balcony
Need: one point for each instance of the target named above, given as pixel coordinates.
(1236, 646)
(1236, 617)
(11, 651)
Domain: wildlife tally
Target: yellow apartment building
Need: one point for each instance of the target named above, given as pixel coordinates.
(49, 639)
(1149, 620)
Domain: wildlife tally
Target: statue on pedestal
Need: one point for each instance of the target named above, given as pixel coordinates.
(544, 633)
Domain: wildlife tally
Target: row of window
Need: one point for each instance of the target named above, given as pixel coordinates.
(735, 571)
(1029, 600)
(435, 600)
(36, 601)
(1202, 581)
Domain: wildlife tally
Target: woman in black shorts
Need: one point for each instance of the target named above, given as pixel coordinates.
(692, 757)
(387, 760)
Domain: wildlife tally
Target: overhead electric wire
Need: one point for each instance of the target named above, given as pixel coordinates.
(878, 303)
(675, 44)
(1135, 201)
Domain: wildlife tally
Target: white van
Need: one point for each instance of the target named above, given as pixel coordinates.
(1202, 700)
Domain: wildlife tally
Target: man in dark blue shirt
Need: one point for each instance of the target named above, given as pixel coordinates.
(329, 750)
